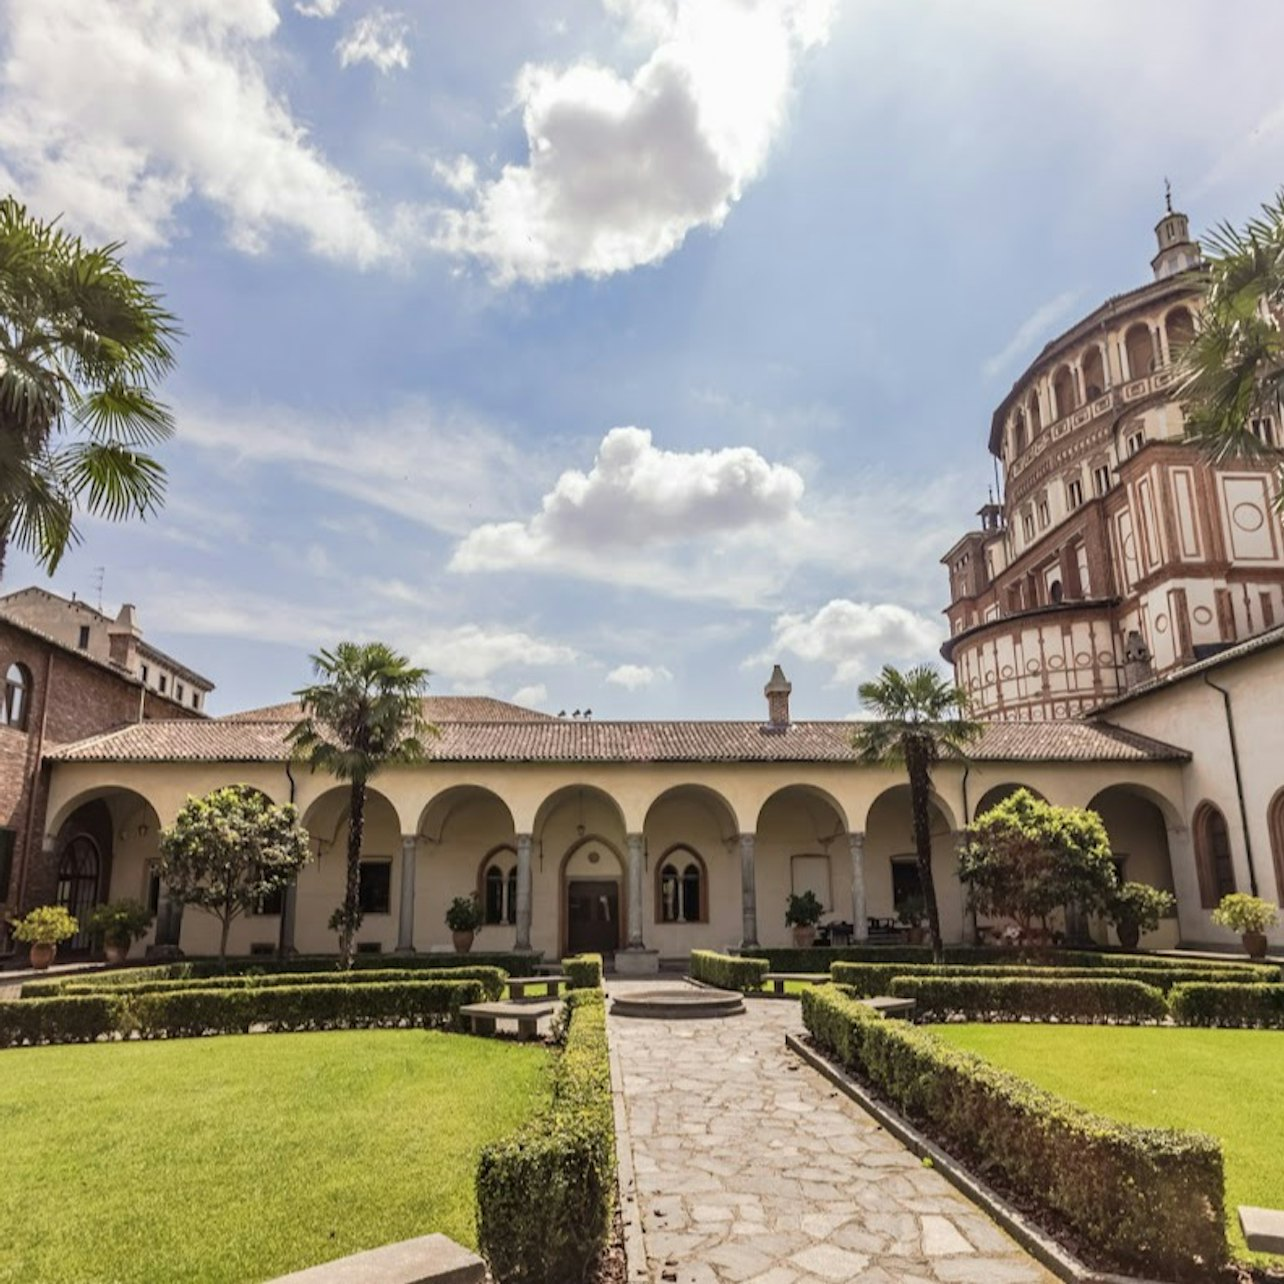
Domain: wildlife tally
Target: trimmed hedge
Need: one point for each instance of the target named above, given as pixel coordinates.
(1237, 1006)
(1147, 1199)
(728, 971)
(76, 1019)
(1004, 998)
(545, 1196)
(585, 971)
(875, 978)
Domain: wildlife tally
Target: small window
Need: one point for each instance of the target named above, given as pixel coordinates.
(162, 683)
(494, 895)
(196, 699)
(681, 900)
(153, 893)
(1214, 866)
(83, 642)
(374, 887)
(1101, 479)
(271, 904)
(144, 673)
(1027, 526)
(17, 696)
(178, 692)
(907, 887)
(1136, 440)
(1045, 515)
(1074, 494)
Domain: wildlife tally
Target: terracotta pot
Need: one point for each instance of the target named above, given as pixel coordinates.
(1129, 934)
(42, 955)
(804, 937)
(916, 935)
(463, 941)
(1255, 944)
(116, 951)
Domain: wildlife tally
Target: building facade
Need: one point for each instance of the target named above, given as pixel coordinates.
(1116, 552)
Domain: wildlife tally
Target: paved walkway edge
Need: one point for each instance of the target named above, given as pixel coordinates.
(635, 1264)
(1036, 1242)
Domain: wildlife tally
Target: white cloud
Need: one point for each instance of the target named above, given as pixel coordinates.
(854, 638)
(1038, 327)
(534, 696)
(114, 113)
(379, 38)
(318, 8)
(468, 654)
(621, 169)
(635, 676)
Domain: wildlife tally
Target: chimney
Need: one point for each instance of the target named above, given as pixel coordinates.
(122, 639)
(777, 692)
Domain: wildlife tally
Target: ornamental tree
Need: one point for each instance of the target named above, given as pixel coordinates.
(1026, 858)
(227, 851)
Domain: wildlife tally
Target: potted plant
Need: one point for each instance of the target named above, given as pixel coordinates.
(464, 918)
(913, 913)
(120, 924)
(42, 929)
(802, 914)
(1250, 916)
(1135, 908)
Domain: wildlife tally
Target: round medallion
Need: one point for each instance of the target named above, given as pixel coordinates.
(1129, 547)
(1202, 615)
(1248, 517)
(1007, 671)
(1032, 666)
(1056, 662)
(594, 857)
(1105, 657)
(1083, 658)
(1161, 624)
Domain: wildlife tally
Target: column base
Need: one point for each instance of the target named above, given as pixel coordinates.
(404, 950)
(637, 962)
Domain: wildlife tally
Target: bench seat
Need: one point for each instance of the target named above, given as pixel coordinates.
(482, 1017)
(778, 980)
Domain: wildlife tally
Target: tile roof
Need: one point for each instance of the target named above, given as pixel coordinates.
(562, 740)
(436, 709)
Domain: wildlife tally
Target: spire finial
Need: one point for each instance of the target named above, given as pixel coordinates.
(1168, 195)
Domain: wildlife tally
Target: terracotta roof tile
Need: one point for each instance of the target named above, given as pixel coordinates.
(562, 740)
(436, 709)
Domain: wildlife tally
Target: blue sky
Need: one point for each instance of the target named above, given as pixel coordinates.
(599, 353)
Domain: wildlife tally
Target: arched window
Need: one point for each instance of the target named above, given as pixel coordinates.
(1213, 861)
(1139, 344)
(680, 887)
(1276, 825)
(1036, 420)
(17, 696)
(1179, 325)
(1063, 391)
(1094, 373)
(499, 887)
(1018, 434)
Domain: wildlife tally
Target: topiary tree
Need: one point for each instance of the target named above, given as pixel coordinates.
(227, 851)
(1025, 858)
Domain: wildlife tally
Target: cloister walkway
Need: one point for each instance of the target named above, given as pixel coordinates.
(752, 1169)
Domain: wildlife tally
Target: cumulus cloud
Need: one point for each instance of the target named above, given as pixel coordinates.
(534, 696)
(635, 495)
(635, 676)
(379, 38)
(621, 168)
(855, 639)
(318, 8)
(116, 112)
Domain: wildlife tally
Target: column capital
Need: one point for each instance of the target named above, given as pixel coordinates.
(857, 840)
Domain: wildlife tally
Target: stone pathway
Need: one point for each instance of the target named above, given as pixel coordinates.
(751, 1169)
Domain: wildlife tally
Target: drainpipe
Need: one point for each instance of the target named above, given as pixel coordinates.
(1239, 782)
(35, 780)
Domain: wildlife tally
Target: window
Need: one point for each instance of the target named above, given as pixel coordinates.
(1213, 856)
(83, 642)
(144, 673)
(1135, 441)
(152, 896)
(1264, 430)
(1045, 515)
(272, 903)
(907, 888)
(1027, 526)
(374, 887)
(196, 699)
(681, 887)
(178, 692)
(1101, 479)
(17, 696)
(161, 683)
(7, 839)
(1074, 493)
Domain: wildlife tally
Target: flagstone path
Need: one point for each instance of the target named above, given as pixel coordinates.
(751, 1169)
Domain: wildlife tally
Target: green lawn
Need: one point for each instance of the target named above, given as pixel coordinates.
(244, 1157)
(1223, 1082)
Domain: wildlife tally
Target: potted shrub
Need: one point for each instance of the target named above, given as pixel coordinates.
(802, 914)
(1135, 908)
(464, 918)
(1250, 916)
(42, 929)
(913, 913)
(120, 924)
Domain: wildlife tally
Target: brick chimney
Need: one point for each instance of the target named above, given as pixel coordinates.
(122, 639)
(777, 692)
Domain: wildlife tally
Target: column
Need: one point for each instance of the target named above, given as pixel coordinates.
(748, 895)
(406, 907)
(523, 892)
(860, 915)
(636, 850)
(289, 906)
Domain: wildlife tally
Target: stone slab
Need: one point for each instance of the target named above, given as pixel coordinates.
(430, 1259)
(1263, 1228)
(890, 1006)
(637, 962)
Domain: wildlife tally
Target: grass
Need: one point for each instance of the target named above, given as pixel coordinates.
(1212, 1081)
(245, 1157)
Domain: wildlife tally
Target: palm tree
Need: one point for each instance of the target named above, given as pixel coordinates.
(81, 344)
(1234, 366)
(919, 719)
(364, 713)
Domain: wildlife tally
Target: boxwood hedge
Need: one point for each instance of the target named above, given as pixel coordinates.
(545, 1196)
(585, 971)
(1236, 1006)
(728, 971)
(74, 1019)
(1006, 998)
(1148, 1200)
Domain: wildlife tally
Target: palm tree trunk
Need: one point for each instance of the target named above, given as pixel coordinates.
(356, 832)
(920, 803)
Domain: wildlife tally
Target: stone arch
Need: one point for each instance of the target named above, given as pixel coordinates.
(1139, 345)
(817, 797)
(452, 805)
(1179, 328)
(584, 798)
(801, 843)
(1036, 418)
(717, 803)
(1094, 372)
(1214, 862)
(1275, 824)
(1137, 822)
(1000, 793)
(891, 860)
(1063, 391)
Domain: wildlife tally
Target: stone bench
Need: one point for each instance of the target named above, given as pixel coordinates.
(1263, 1229)
(482, 1017)
(553, 985)
(430, 1259)
(886, 1005)
(778, 980)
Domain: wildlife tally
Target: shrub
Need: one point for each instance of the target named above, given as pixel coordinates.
(803, 909)
(464, 914)
(1003, 998)
(121, 922)
(727, 971)
(545, 1196)
(1148, 1199)
(45, 925)
(585, 971)
(74, 1019)
(1240, 1006)
(1244, 914)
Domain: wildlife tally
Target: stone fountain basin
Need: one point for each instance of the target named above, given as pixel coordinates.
(679, 1005)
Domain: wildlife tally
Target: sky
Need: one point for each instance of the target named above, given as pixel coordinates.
(599, 354)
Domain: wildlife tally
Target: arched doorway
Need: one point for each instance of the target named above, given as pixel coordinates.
(1137, 827)
(79, 882)
(1214, 864)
